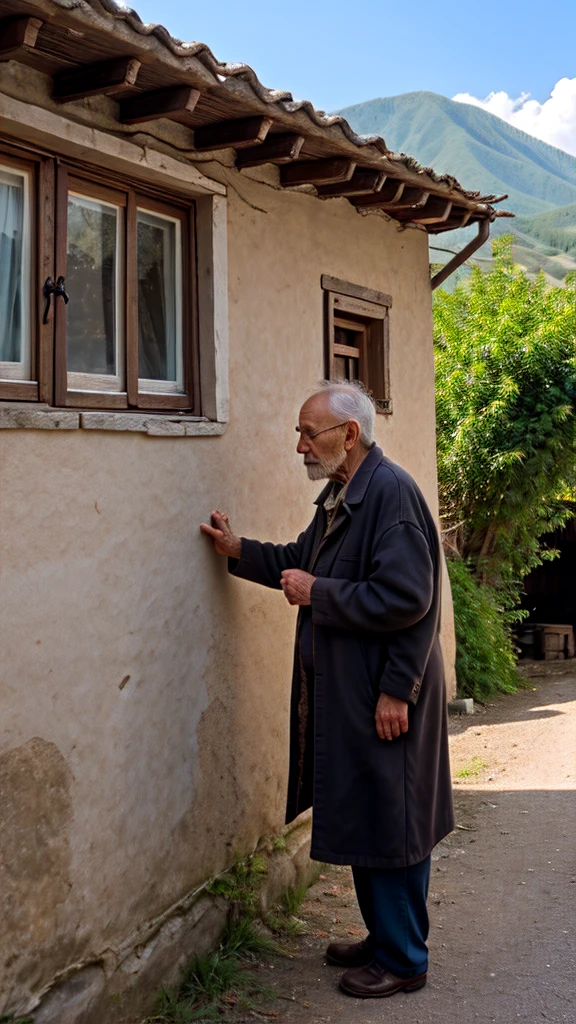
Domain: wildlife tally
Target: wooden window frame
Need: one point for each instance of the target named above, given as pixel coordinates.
(64, 394)
(41, 170)
(51, 180)
(156, 400)
(365, 311)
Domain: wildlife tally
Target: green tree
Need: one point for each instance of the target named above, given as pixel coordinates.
(506, 396)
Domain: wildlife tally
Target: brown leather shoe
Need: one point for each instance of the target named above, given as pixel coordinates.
(349, 954)
(375, 982)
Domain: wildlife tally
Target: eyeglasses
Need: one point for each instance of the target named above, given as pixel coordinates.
(311, 434)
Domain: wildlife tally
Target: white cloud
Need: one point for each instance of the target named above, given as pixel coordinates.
(553, 121)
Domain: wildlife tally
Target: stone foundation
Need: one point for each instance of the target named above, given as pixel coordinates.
(125, 983)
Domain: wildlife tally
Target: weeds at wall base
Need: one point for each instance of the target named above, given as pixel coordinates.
(222, 980)
(216, 984)
(241, 883)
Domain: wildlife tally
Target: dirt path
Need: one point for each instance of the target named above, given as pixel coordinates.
(502, 894)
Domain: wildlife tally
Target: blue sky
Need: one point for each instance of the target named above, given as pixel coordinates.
(336, 53)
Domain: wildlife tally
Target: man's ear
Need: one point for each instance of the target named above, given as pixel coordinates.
(352, 434)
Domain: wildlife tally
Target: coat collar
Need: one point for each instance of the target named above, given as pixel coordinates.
(359, 482)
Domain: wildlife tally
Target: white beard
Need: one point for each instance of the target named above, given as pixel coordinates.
(325, 469)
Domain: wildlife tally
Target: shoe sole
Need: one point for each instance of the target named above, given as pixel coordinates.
(383, 995)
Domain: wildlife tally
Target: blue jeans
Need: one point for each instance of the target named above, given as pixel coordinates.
(393, 905)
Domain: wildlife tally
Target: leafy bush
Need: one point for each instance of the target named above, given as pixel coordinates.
(485, 656)
(506, 397)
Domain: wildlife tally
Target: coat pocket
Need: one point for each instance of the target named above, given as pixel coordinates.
(347, 567)
(374, 658)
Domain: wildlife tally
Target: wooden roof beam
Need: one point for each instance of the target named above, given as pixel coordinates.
(362, 182)
(175, 103)
(390, 192)
(240, 134)
(278, 149)
(316, 172)
(435, 211)
(18, 36)
(96, 79)
(458, 218)
(411, 199)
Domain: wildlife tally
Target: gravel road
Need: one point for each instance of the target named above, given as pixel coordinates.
(502, 895)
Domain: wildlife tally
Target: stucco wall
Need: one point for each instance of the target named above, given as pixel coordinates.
(144, 699)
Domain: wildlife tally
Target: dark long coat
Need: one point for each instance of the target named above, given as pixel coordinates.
(375, 609)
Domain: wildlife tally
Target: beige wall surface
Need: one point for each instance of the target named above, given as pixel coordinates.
(144, 697)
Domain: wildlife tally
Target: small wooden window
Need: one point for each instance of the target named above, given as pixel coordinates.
(98, 289)
(125, 337)
(162, 290)
(91, 326)
(357, 337)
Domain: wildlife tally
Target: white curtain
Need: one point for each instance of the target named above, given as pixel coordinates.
(11, 231)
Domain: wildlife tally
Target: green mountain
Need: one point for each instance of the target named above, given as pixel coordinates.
(556, 229)
(486, 154)
(479, 149)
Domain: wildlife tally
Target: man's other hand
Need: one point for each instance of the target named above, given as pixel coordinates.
(391, 717)
(225, 542)
(297, 586)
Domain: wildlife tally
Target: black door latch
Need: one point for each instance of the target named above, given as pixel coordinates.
(51, 289)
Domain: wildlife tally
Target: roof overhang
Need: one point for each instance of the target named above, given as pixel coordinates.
(95, 47)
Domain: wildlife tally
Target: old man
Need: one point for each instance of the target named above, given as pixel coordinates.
(368, 744)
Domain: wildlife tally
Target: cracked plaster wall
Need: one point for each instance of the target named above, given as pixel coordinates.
(144, 700)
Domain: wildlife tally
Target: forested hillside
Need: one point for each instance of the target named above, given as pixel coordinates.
(556, 228)
(481, 150)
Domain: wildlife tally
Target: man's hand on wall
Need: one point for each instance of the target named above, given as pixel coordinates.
(297, 586)
(225, 542)
(391, 717)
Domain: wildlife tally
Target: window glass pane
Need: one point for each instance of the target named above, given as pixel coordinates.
(14, 264)
(92, 314)
(353, 369)
(159, 298)
(345, 336)
(340, 368)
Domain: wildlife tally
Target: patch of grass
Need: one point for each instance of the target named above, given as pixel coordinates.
(246, 941)
(284, 927)
(215, 985)
(241, 883)
(9, 1018)
(284, 920)
(220, 980)
(277, 843)
(472, 769)
(292, 899)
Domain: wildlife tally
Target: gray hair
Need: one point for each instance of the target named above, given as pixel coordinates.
(349, 400)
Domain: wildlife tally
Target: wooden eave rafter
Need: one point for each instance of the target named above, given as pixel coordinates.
(433, 211)
(153, 77)
(278, 149)
(240, 134)
(410, 199)
(458, 218)
(390, 193)
(175, 103)
(105, 79)
(18, 36)
(362, 182)
(316, 172)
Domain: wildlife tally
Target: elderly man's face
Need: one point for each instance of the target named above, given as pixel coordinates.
(321, 438)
